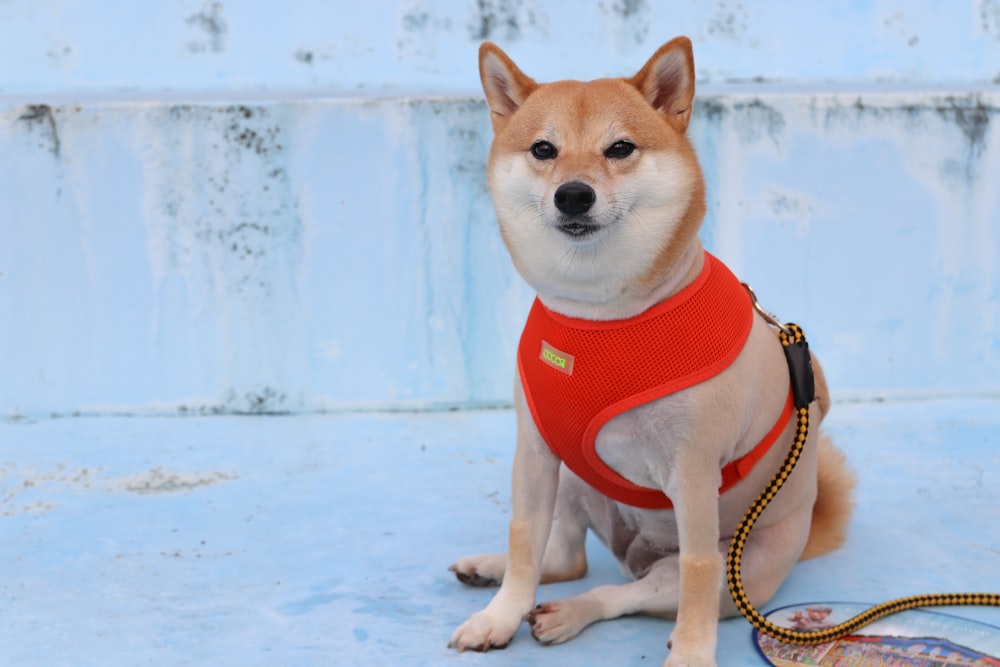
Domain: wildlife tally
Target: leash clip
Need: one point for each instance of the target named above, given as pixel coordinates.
(768, 316)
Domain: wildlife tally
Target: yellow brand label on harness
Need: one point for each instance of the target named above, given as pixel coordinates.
(556, 358)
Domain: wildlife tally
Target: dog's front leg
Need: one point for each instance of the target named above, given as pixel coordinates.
(693, 489)
(535, 482)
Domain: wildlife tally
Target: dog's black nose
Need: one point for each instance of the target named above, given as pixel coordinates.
(575, 198)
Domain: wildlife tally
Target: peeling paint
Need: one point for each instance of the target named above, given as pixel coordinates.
(21, 487)
(29, 491)
(158, 480)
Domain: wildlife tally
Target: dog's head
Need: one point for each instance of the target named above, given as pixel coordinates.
(596, 185)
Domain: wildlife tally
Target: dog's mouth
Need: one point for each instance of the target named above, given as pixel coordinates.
(578, 228)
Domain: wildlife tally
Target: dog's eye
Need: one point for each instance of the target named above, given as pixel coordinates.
(619, 150)
(543, 150)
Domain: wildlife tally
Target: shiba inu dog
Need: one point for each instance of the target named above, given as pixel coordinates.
(652, 401)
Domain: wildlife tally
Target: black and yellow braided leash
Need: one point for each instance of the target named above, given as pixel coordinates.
(796, 349)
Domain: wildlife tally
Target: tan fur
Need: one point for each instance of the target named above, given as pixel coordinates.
(834, 501)
(835, 484)
(678, 115)
(633, 244)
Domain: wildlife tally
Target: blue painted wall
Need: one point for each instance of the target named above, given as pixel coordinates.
(428, 46)
(216, 207)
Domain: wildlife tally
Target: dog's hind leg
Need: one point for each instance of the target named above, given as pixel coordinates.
(565, 552)
(770, 554)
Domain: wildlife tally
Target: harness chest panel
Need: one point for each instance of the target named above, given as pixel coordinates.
(578, 374)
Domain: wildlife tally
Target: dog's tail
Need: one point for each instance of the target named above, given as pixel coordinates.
(834, 500)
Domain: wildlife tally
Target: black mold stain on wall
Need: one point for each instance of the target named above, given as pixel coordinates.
(262, 140)
(709, 109)
(212, 29)
(420, 32)
(305, 56)
(40, 119)
(970, 114)
(224, 149)
(225, 226)
(972, 117)
(755, 119)
(465, 124)
(729, 21)
(633, 17)
(500, 19)
(752, 120)
(989, 17)
(264, 401)
(629, 8)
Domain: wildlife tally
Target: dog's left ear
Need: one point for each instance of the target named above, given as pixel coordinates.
(667, 81)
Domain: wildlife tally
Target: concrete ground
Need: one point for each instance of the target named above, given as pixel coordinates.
(325, 540)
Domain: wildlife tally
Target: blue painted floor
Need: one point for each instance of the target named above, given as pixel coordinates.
(324, 540)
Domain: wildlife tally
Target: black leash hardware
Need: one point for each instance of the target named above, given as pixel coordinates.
(800, 370)
(796, 349)
(796, 354)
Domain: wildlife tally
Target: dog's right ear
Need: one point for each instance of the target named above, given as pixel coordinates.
(506, 86)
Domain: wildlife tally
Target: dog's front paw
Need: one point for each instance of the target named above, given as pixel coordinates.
(484, 631)
(689, 659)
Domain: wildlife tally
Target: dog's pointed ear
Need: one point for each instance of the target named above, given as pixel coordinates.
(506, 86)
(667, 81)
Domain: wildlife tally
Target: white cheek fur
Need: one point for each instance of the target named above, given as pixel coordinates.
(517, 192)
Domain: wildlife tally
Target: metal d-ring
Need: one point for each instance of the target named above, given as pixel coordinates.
(768, 316)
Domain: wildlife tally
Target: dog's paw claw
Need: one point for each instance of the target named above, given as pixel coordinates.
(480, 571)
(475, 579)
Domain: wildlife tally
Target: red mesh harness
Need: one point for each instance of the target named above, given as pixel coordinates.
(578, 374)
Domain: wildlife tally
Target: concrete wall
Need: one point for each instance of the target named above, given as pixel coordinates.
(218, 207)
